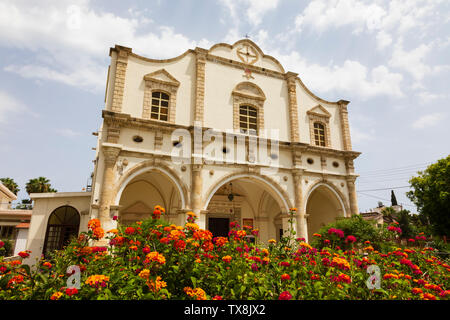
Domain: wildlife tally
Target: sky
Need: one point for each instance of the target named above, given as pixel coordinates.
(390, 59)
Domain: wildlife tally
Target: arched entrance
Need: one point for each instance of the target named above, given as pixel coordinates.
(143, 191)
(63, 224)
(249, 200)
(323, 206)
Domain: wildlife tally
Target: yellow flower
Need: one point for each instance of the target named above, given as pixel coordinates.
(197, 293)
(272, 241)
(144, 274)
(304, 244)
(156, 285)
(56, 295)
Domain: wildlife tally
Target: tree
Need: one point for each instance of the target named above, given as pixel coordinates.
(11, 185)
(431, 195)
(393, 198)
(39, 185)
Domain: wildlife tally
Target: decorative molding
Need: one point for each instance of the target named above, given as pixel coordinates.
(119, 80)
(162, 81)
(321, 115)
(247, 93)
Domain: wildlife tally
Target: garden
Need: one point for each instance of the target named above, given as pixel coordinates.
(153, 259)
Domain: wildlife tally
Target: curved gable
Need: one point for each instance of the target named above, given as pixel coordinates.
(246, 51)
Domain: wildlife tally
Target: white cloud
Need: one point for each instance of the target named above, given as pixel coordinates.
(428, 120)
(75, 39)
(384, 18)
(255, 10)
(9, 106)
(321, 15)
(351, 77)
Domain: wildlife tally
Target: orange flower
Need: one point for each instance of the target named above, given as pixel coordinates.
(155, 257)
(197, 293)
(94, 223)
(56, 295)
(227, 259)
(144, 274)
(156, 285)
(416, 291)
(98, 233)
(97, 280)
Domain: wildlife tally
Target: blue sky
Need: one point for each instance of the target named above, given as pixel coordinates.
(390, 59)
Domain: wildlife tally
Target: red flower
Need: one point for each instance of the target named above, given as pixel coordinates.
(285, 295)
(285, 277)
(351, 239)
(1, 244)
(129, 230)
(71, 291)
(24, 254)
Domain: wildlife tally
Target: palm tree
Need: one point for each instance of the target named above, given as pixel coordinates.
(11, 185)
(39, 185)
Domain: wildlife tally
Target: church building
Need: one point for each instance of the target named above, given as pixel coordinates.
(224, 132)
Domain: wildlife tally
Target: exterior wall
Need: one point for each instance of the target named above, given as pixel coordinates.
(183, 70)
(44, 205)
(21, 241)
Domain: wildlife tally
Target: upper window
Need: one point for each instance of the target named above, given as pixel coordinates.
(160, 106)
(319, 134)
(248, 119)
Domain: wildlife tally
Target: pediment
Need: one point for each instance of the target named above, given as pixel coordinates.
(249, 90)
(162, 76)
(319, 111)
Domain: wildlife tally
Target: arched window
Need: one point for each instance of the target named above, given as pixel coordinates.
(248, 119)
(160, 106)
(319, 134)
(63, 224)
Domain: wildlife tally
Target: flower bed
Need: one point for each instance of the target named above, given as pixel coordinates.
(153, 259)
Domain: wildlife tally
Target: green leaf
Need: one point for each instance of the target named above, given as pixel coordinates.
(194, 282)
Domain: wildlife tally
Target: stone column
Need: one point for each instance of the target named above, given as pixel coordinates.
(110, 155)
(200, 85)
(352, 194)
(119, 80)
(293, 108)
(345, 128)
(302, 231)
(197, 184)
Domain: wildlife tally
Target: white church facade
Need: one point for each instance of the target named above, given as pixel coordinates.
(224, 132)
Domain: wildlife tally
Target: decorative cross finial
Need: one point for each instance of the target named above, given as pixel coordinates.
(247, 36)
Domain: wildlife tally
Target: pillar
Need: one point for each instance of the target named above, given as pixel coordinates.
(302, 229)
(345, 128)
(293, 108)
(200, 84)
(353, 199)
(110, 154)
(119, 79)
(197, 185)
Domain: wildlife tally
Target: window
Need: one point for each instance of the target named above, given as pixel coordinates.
(248, 119)
(160, 96)
(319, 134)
(160, 106)
(63, 224)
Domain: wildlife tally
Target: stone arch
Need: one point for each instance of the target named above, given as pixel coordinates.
(62, 224)
(339, 195)
(146, 166)
(279, 194)
(324, 204)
